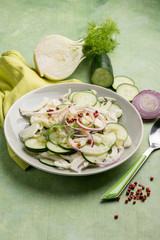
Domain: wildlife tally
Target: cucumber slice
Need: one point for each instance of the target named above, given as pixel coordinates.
(88, 99)
(118, 129)
(65, 146)
(70, 97)
(46, 161)
(97, 105)
(94, 159)
(120, 80)
(57, 149)
(36, 144)
(57, 133)
(96, 150)
(117, 109)
(63, 105)
(109, 139)
(127, 91)
(60, 163)
(101, 71)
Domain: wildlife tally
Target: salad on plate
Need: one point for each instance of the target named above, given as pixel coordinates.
(77, 131)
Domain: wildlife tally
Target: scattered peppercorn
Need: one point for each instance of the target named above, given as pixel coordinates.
(80, 114)
(148, 189)
(116, 216)
(148, 194)
(95, 114)
(78, 145)
(137, 193)
(89, 141)
(50, 110)
(118, 198)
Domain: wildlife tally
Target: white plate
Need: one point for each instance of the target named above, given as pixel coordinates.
(14, 122)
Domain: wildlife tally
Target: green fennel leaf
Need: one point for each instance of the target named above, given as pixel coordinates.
(100, 39)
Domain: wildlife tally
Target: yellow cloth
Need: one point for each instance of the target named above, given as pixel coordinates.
(17, 79)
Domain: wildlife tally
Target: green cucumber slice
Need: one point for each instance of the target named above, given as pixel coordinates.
(57, 133)
(94, 159)
(101, 71)
(127, 91)
(57, 149)
(109, 139)
(97, 105)
(65, 146)
(118, 129)
(116, 108)
(46, 161)
(63, 105)
(96, 150)
(70, 97)
(60, 164)
(88, 99)
(36, 144)
(120, 80)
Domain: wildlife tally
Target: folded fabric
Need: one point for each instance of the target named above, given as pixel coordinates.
(16, 79)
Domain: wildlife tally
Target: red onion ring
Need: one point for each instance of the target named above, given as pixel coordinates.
(93, 129)
(70, 143)
(66, 122)
(91, 138)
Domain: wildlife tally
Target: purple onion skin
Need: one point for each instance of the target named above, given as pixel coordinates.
(138, 99)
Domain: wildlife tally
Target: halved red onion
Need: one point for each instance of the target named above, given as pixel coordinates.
(147, 102)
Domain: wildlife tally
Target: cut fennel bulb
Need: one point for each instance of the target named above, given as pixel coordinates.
(56, 57)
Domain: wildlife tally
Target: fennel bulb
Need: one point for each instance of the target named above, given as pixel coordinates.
(56, 57)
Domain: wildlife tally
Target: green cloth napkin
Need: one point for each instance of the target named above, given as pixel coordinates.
(17, 79)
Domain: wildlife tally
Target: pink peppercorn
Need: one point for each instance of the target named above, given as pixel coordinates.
(148, 194)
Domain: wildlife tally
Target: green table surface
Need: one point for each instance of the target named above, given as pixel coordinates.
(36, 205)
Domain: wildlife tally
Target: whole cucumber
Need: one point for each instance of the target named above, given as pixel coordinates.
(102, 71)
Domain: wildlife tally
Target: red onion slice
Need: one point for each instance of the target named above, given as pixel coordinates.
(90, 137)
(147, 102)
(68, 124)
(93, 129)
(72, 144)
